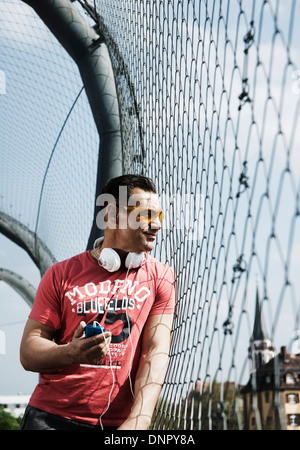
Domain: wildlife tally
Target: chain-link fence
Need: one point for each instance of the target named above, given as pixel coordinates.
(209, 103)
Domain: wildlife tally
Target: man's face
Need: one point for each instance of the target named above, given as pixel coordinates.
(139, 222)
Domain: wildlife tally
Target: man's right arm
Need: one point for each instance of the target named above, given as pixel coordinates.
(39, 353)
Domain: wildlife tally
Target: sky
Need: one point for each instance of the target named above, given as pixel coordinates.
(14, 313)
(18, 26)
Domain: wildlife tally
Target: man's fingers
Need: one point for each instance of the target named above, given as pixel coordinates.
(98, 339)
(79, 330)
(95, 347)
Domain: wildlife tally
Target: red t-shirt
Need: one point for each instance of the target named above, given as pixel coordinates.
(79, 289)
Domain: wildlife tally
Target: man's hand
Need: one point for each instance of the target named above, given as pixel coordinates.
(136, 423)
(38, 352)
(90, 350)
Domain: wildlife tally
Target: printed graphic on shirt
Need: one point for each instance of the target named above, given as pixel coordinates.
(110, 303)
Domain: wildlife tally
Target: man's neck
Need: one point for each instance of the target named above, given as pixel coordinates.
(95, 253)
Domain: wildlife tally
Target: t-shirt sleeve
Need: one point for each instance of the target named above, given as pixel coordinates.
(165, 294)
(46, 307)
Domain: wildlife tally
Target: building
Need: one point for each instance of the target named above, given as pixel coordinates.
(14, 404)
(272, 394)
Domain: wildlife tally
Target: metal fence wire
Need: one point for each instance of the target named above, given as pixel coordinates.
(208, 94)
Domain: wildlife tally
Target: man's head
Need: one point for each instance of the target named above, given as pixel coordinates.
(130, 212)
(127, 183)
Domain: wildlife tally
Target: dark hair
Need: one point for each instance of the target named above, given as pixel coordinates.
(130, 181)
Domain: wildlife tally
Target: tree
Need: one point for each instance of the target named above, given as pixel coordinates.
(7, 421)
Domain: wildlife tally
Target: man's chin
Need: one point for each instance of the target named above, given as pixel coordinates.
(148, 243)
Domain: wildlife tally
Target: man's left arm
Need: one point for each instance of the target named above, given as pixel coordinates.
(151, 371)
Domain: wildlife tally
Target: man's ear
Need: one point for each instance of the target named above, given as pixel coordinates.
(112, 215)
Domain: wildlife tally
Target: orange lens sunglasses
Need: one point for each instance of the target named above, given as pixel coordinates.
(147, 215)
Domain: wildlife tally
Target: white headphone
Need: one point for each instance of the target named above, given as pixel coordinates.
(111, 261)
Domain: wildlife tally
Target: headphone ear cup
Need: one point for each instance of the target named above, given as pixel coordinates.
(110, 260)
(134, 260)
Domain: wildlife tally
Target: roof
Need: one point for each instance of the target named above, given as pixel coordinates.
(259, 330)
(265, 376)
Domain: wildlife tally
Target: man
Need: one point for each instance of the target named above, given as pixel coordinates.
(113, 379)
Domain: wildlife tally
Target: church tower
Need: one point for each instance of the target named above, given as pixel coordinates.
(272, 395)
(261, 349)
